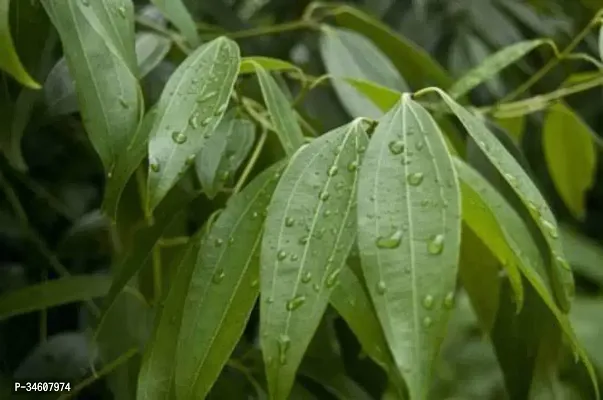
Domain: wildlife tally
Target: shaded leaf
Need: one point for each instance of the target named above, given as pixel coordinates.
(347, 54)
(524, 187)
(10, 61)
(571, 156)
(110, 112)
(223, 288)
(492, 66)
(585, 255)
(514, 126)
(177, 13)
(191, 106)
(53, 293)
(308, 234)
(281, 112)
(151, 49)
(413, 62)
(409, 236)
(224, 152)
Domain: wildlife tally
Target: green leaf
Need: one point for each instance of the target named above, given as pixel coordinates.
(59, 87)
(347, 54)
(526, 190)
(526, 254)
(177, 13)
(248, 65)
(413, 62)
(10, 61)
(156, 377)
(308, 234)
(281, 112)
(492, 66)
(191, 106)
(223, 288)
(224, 152)
(571, 156)
(601, 43)
(514, 126)
(409, 232)
(110, 112)
(53, 293)
(584, 254)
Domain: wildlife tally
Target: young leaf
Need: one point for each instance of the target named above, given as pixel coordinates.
(409, 227)
(191, 106)
(269, 64)
(10, 61)
(156, 377)
(524, 187)
(110, 112)
(223, 288)
(281, 112)
(571, 156)
(492, 65)
(347, 54)
(176, 12)
(308, 234)
(224, 152)
(413, 62)
(526, 254)
(53, 293)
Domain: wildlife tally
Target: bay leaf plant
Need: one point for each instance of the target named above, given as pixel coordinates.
(362, 218)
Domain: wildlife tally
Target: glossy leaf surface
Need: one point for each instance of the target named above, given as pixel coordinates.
(308, 233)
(409, 236)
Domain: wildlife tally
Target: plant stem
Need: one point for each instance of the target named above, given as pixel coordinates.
(267, 30)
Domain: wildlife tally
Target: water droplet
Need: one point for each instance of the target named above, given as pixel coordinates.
(224, 175)
(281, 255)
(415, 179)
(155, 167)
(327, 213)
(303, 240)
(270, 300)
(218, 276)
(289, 222)
(109, 175)
(427, 322)
(389, 242)
(550, 228)
(428, 302)
(449, 300)
(178, 137)
(381, 288)
(353, 166)
(396, 147)
(419, 145)
(533, 209)
(563, 263)
(293, 257)
(361, 149)
(270, 360)
(306, 277)
(255, 283)
(324, 196)
(283, 347)
(205, 122)
(231, 240)
(220, 110)
(511, 179)
(193, 121)
(190, 160)
(332, 278)
(255, 215)
(333, 170)
(218, 242)
(123, 102)
(436, 244)
(122, 11)
(296, 302)
(316, 287)
(206, 97)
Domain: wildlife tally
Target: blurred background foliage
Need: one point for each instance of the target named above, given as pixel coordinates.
(52, 181)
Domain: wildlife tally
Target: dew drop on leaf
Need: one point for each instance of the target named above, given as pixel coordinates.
(396, 147)
(333, 171)
(281, 255)
(255, 283)
(218, 276)
(428, 302)
(178, 137)
(289, 222)
(283, 347)
(316, 287)
(436, 244)
(206, 121)
(255, 215)
(419, 145)
(563, 263)
(381, 288)
(324, 196)
(220, 109)
(449, 300)
(550, 228)
(270, 300)
(361, 149)
(122, 11)
(123, 102)
(218, 242)
(155, 167)
(327, 213)
(390, 242)
(294, 257)
(193, 121)
(353, 166)
(190, 160)
(306, 277)
(427, 322)
(332, 278)
(296, 302)
(511, 179)
(415, 179)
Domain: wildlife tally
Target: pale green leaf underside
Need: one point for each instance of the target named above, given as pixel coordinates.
(53, 293)
(191, 106)
(223, 288)
(347, 54)
(10, 61)
(492, 66)
(178, 14)
(108, 93)
(571, 156)
(308, 233)
(524, 187)
(409, 236)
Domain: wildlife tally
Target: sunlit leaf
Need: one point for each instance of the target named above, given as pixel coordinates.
(177, 13)
(10, 61)
(53, 293)
(223, 288)
(571, 156)
(492, 66)
(269, 64)
(347, 54)
(409, 227)
(191, 106)
(308, 234)
(559, 271)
